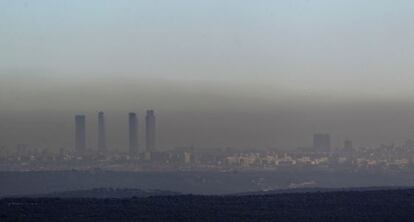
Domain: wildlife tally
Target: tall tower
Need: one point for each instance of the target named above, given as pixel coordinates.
(322, 142)
(150, 131)
(80, 134)
(348, 147)
(101, 133)
(133, 134)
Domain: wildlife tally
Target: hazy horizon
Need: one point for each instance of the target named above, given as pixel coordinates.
(217, 73)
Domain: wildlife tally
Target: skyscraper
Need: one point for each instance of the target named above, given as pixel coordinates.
(101, 133)
(348, 147)
(133, 134)
(321, 142)
(150, 131)
(80, 134)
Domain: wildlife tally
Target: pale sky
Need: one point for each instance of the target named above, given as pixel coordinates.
(288, 68)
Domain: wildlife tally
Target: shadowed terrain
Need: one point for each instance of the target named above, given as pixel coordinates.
(377, 205)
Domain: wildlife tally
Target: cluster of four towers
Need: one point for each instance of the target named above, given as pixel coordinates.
(80, 133)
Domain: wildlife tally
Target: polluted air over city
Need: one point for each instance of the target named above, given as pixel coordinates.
(206, 110)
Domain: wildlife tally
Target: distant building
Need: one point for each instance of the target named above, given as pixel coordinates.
(348, 147)
(409, 144)
(80, 134)
(150, 131)
(322, 142)
(101, 133)
(133, 134)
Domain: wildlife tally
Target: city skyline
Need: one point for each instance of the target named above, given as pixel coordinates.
(116, 134)
(284, 69)
(133, 133)
(184, 110)
(321, 141)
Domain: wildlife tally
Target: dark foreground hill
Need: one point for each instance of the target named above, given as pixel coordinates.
(391, 205)
(105, 193)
